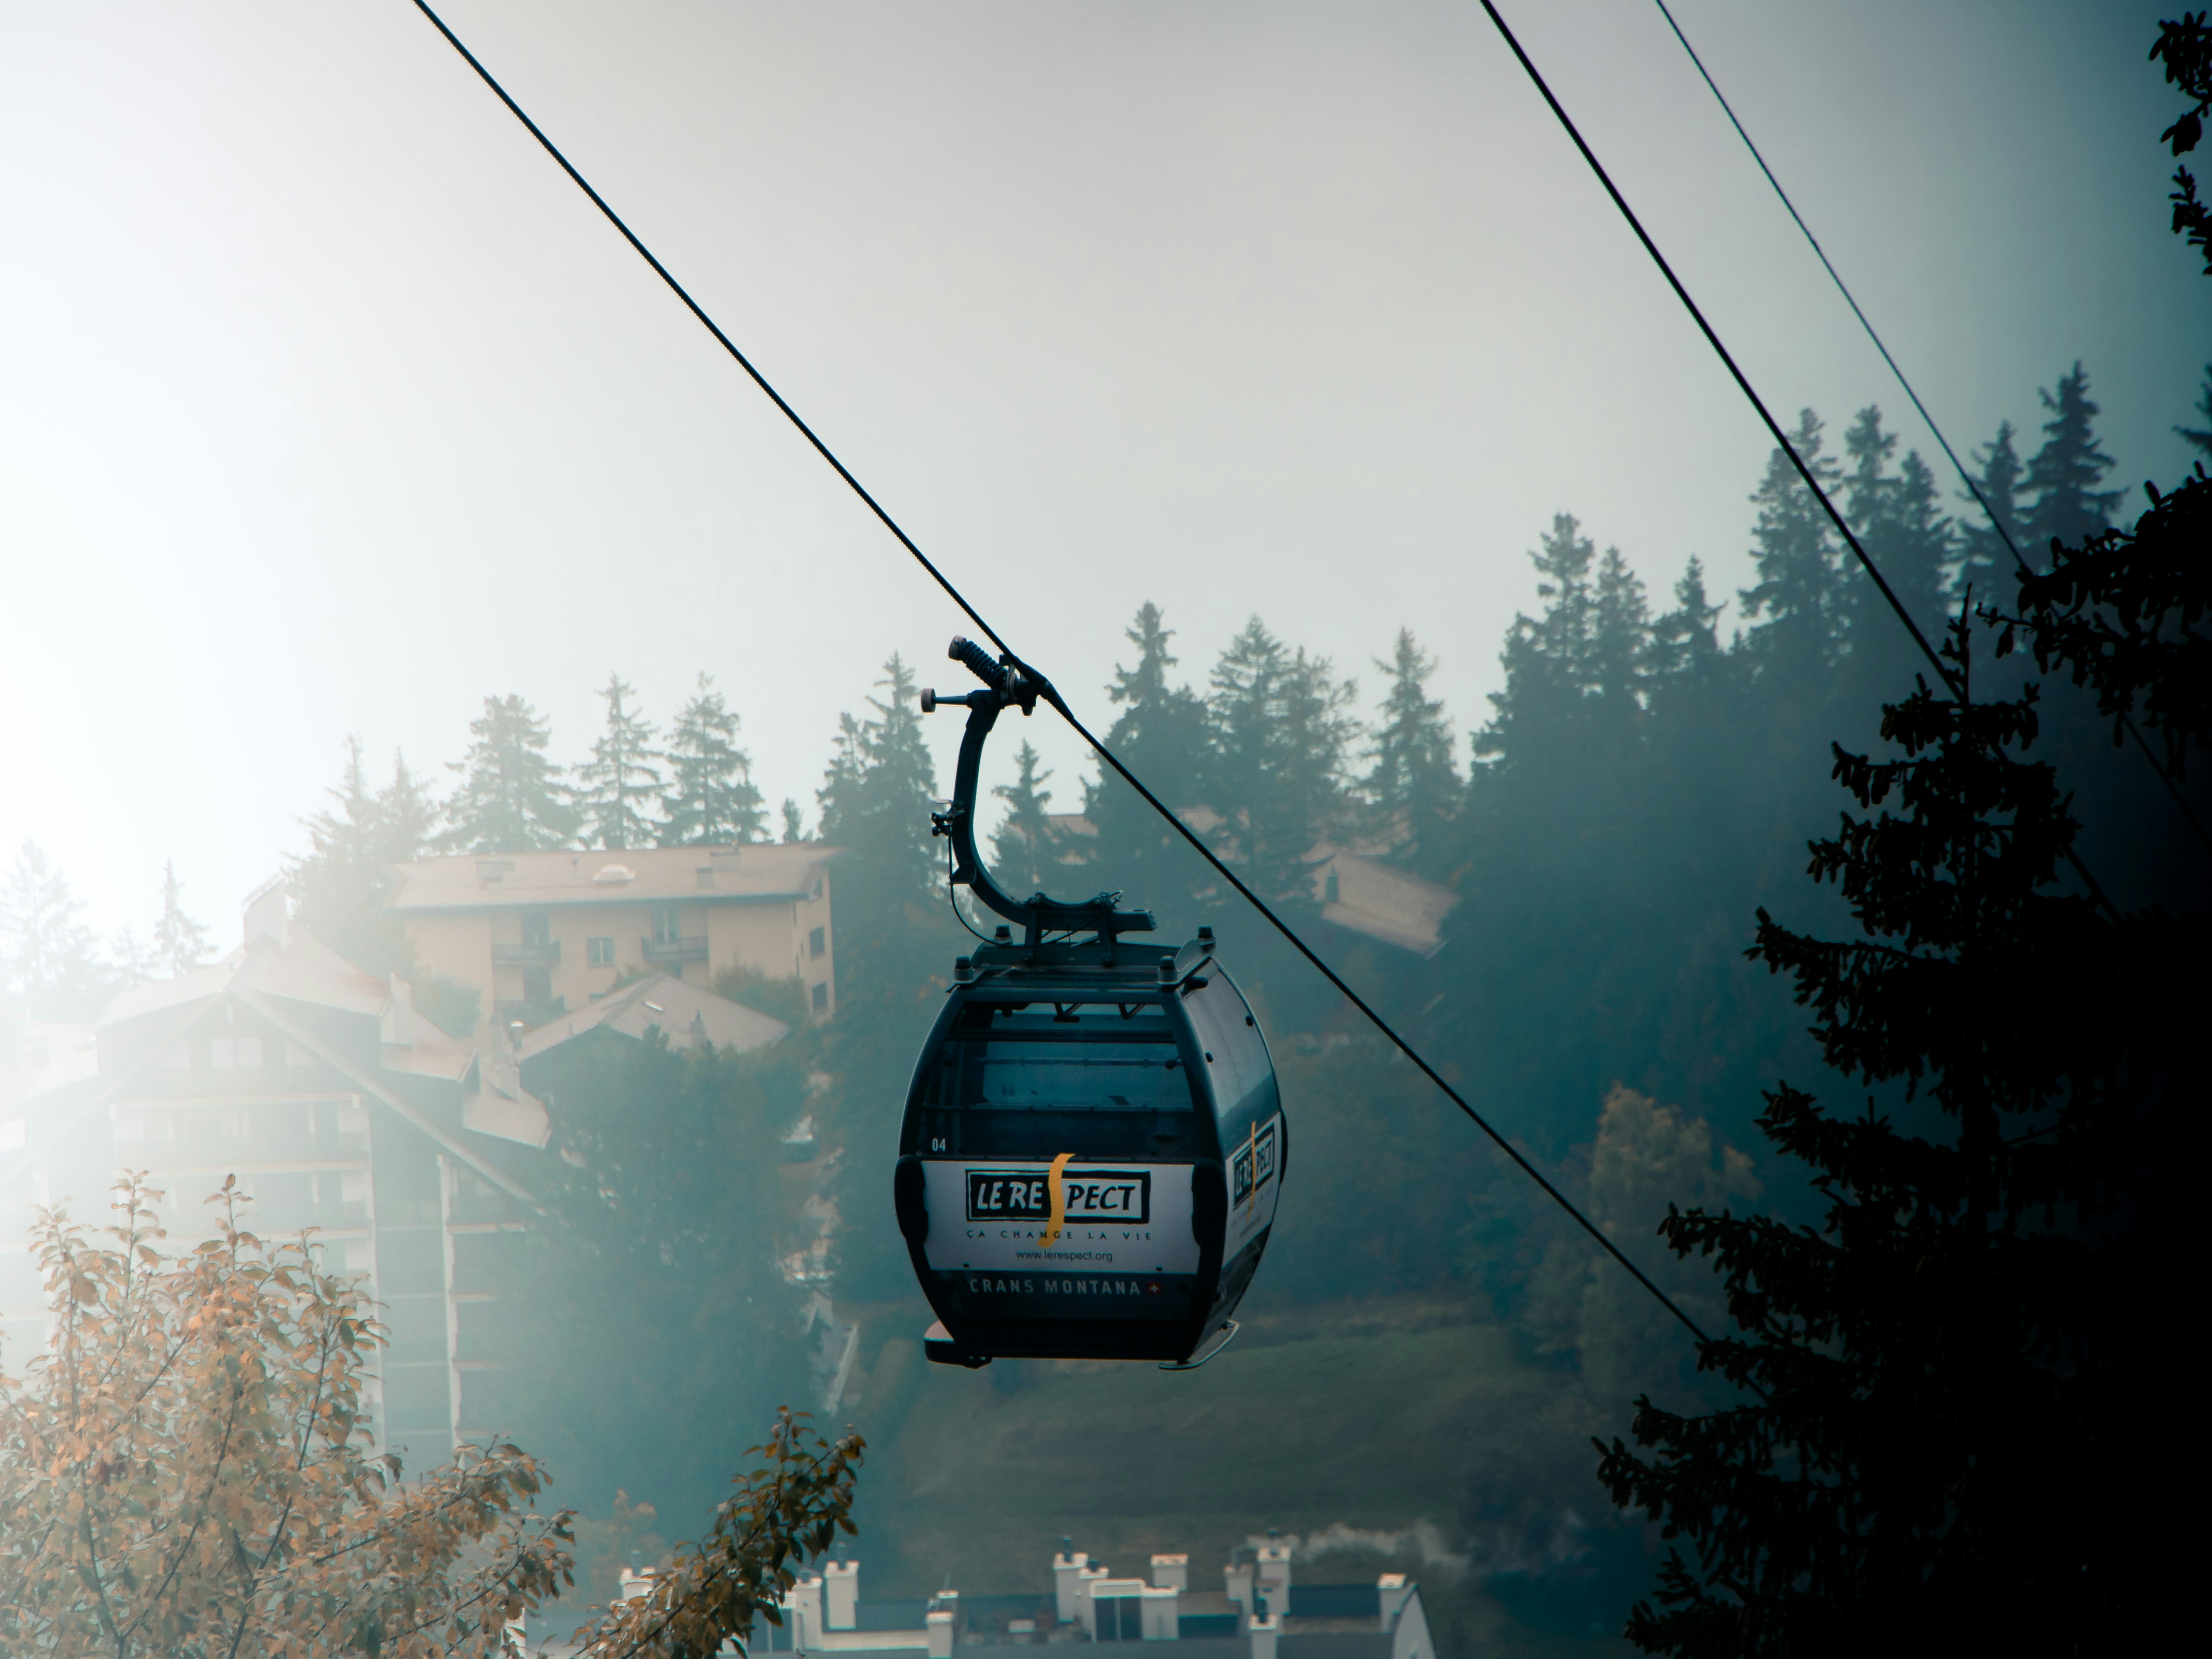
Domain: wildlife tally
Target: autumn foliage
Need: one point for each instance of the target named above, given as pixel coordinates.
(188, 1469)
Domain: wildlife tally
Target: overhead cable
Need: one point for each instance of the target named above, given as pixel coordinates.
(1997, 521)
(1051, 694)
(1943, 671)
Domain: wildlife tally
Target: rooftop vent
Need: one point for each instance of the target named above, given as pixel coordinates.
(611, 874)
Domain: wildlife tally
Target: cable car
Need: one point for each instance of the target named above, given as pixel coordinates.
(1094, 1138)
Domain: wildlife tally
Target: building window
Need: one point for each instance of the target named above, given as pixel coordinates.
(818, 942)
(822, 998)
(228, 1052)
(537, 928)
(599, 952)
(664, 930)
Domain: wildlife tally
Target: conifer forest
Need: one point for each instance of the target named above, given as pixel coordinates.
(1828, 942)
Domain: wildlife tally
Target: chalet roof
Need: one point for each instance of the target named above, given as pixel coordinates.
(1372, 898)
(755, 872)
(685, 1014)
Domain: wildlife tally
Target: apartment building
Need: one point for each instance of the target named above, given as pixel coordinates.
(545, 934)
(410, 1153)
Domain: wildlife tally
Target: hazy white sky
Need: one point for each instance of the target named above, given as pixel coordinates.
(330, 406)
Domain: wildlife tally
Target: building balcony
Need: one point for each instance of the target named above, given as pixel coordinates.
(531, 1012)
(674, 949)
(547, 955)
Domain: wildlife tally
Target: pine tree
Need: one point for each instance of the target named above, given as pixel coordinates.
(714, 800)
(2064, 473)
(616, 785)
(1538, 718)
(1685, 642)
(875, 799)
(339, 888)
(1160, 735)
(1282, 732)
(2199, 438)
(1983, 555)
(1412, 784)
(1906, 535)
(1943, 1384)
(47, 955)
(1026, 846)
(795, 821)
(511, 797)
(131, 961)
(1800, 590)
(181, 944)
(1619, 646)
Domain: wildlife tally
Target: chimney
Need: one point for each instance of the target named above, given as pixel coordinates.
(1275, 1574)
(267, 914)
(1393, 1590)
(1263, 1632)
(841, 1587)
(1237, 1578)
(1086, 1612)
(939, 1624)
(804, 1602)
(1159, 1612)
(1066, 1566)
(1171, 1571)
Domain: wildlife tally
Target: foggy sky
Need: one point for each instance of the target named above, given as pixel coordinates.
(330, 406)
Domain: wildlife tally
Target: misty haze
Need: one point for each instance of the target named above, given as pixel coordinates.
(1521, 988)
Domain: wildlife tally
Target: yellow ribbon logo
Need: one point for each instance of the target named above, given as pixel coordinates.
(1057, 1182)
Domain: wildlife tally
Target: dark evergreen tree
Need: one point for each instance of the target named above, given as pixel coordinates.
(1160, 735)
(2186, 44)
(795, 821)
(714, 801)
(1983, 555)
(1281, 733)
(1684, 642)
(2067, 506)
(1538, 720)
(339, 888)
(650, 1274)
(2199, 438)
(621, 780)
(511, 798)
(180, 944)
(1619, 655)
(896, 941)
(1026, 846)
(1412, 784)
(1947, 1372)
(1800, 593)
(1904, 531)
(48, 956)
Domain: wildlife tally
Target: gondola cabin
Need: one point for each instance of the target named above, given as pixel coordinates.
(1091, 1150)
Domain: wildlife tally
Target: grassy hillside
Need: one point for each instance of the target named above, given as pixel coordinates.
(1381, 1419)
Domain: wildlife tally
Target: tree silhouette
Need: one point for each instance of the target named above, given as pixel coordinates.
(1024, 848)
(180, 943)
(511, 797)
(619, 781)
(1938, 1432)
(714, 801)
(2065, 472)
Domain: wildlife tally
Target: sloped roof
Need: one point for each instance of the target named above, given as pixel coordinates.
(1373, 898)
(752, 873)
(685, 1014)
